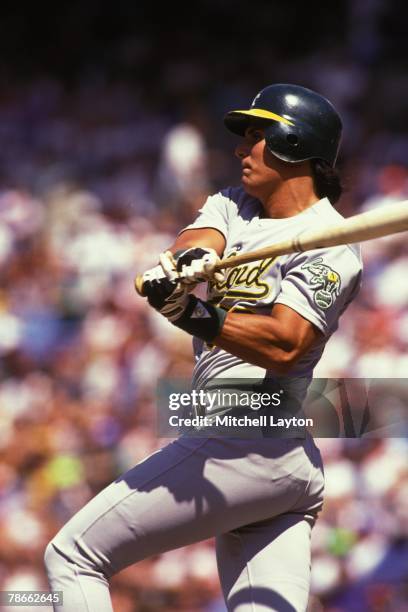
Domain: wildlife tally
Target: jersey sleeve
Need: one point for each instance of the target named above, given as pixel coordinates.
(215, 213)
(320, 284)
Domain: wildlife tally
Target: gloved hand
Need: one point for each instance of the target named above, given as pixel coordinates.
(195, 265)
(173, 301)
(167, 296)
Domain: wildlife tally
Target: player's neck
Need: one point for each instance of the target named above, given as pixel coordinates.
(290, 198)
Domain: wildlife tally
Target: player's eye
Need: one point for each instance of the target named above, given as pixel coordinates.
(256, 135)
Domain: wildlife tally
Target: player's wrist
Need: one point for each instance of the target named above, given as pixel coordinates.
(201, 319)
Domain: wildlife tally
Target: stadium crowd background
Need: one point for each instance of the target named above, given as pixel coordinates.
(111, 138)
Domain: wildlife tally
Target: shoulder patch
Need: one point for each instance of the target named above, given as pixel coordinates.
(324, 281)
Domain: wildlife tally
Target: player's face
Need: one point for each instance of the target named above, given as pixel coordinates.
(262, 172)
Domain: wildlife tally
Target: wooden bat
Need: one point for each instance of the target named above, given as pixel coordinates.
(390, 219)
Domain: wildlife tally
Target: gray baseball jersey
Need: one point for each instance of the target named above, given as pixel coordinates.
(318, 284)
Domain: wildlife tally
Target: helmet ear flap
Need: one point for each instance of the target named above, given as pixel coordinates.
(283, 141)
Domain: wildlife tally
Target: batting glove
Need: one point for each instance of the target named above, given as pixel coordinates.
(195, 265)
(168, 297)
(173, 301)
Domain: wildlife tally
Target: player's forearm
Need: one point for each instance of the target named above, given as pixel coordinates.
(258, 339)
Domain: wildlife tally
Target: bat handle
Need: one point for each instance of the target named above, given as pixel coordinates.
(139, 285)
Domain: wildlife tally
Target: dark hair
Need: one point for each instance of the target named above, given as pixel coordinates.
(327, 182)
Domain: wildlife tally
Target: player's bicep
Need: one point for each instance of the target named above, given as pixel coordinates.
(207, 237)
(297, 331)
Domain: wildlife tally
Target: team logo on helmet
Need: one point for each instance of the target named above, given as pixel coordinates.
(255, 99)
(325, 282)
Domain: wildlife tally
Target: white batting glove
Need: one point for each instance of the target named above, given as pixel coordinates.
(195, 265)
(168, 264)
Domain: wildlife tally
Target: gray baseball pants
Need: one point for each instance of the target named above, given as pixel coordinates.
(258, 497)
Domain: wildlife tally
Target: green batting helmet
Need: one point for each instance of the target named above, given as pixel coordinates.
(302, 124)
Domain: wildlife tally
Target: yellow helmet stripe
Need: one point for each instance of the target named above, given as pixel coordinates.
(263, 114)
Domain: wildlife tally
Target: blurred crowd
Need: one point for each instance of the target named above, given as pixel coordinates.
(96, 179)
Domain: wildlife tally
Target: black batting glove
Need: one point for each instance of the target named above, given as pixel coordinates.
(168, 297)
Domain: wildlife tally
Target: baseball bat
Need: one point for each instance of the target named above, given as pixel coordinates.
(383, 221)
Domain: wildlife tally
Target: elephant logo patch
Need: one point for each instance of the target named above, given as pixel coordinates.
(324, 281)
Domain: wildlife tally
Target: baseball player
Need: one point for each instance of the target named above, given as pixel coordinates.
(268, 321)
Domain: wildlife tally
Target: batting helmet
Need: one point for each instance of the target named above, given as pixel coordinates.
(302, 124)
